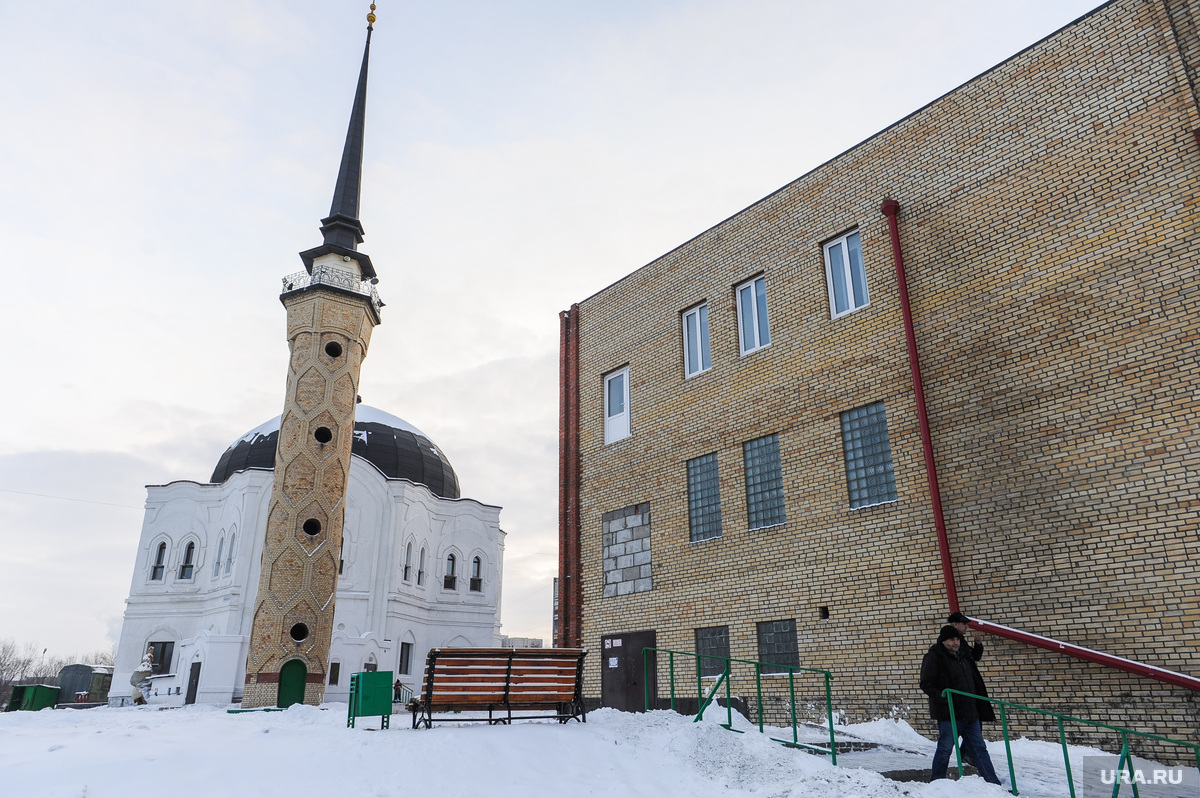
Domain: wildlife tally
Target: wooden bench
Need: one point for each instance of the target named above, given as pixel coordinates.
(501, 680)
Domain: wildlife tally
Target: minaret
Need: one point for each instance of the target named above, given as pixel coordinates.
(332, 308)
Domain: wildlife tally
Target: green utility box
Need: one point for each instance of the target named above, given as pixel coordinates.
(370, 694)
(32, 697)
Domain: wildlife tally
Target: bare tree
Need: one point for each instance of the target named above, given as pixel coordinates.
(14, 663)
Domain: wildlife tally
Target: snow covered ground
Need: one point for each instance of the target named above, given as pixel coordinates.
(305, 751)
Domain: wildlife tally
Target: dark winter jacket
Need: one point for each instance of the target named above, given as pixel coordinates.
(941, 669)
(971, 655)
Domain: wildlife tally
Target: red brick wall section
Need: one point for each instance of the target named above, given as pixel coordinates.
(569, 602)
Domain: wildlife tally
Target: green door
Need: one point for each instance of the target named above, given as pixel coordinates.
(292, 676)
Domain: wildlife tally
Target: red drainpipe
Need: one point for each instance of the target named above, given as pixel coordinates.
(889, 209)
(569, 598)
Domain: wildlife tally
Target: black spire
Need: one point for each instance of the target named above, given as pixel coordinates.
(342, 230)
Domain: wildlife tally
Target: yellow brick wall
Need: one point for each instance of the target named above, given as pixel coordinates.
(1049, 226)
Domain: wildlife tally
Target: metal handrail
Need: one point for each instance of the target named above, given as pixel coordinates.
(703, 701)
(1125, 758)
(336, 278)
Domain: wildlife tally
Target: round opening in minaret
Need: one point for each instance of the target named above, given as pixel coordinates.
(299, 632)
(333, 349)
(323, 435)
(312, 527)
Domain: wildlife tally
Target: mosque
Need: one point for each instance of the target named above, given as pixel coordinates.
(311, 554)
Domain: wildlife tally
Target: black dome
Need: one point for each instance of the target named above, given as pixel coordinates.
(395, 447)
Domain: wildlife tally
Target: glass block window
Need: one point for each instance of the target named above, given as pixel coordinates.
(777, 645)
(704, 498)
(869, 476)
(846, 275)
(764, 482)
(712, 641)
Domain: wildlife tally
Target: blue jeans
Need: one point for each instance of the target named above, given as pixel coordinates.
(972, 746)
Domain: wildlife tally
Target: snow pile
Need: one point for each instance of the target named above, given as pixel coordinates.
(198, 751)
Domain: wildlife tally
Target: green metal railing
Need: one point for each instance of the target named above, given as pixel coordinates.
(724, 679)
(1123, 762)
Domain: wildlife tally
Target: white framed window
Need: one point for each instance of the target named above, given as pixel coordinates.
(229, 562)
(451, 580)
(753, 330)
(616, 406)
(159, 568)
(408, 562)
(217, 562)
(477, 574)
(696, 355)
(188, 567)
(846, 276)
(421, 568)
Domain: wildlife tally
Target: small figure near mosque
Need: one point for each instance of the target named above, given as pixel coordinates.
(140, 680)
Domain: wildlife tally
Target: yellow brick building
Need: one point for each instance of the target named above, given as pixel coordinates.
(1049, 225)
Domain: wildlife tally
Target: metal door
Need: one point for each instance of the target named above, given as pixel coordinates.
(193, 684)
(623, 671)
(292, 677)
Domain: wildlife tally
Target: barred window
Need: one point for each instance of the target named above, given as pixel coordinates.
(869, 476)
(764, 482)
(704, 497)
(777, 645)
(712, 641)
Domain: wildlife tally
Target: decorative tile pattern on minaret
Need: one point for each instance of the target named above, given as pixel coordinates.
(331, 311)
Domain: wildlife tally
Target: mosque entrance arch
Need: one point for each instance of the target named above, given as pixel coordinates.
(292, 677)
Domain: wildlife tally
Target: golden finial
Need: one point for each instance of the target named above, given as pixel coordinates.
(371, 16)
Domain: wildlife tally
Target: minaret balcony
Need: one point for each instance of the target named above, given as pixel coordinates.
(333, 277)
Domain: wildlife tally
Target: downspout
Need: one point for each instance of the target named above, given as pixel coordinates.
(889, 209)
(569, 610)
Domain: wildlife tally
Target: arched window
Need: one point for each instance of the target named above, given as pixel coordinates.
(185, 570)
(477, 574)
(408, 562)
(156, 573)
(217, 562)
(451, 579)
(229, 562)
(421, 568)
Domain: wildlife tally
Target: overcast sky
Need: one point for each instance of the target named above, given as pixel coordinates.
(161, 164)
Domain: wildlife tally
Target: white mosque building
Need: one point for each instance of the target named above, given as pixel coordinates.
(419, 567)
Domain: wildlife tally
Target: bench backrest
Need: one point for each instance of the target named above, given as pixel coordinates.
(464, 677)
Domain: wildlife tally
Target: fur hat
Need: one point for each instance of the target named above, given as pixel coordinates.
(948, 632)
(958, 617)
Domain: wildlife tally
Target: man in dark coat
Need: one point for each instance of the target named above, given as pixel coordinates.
(942, 668)
(971, 654)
